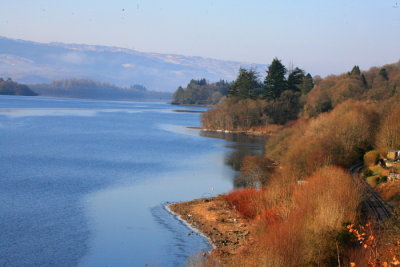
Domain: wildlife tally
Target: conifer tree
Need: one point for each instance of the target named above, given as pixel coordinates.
(246, 84)
(364, 81)
(275, 82)
(384, 74)
(306, 84)
(295, 79)
(355, 71)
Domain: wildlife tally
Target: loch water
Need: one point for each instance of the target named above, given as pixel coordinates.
(85, 183)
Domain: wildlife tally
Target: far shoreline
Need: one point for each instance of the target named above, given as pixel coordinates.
(193, 105)
(253, 131)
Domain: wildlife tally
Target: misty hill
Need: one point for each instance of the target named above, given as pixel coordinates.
(89, 89)
(9, 87)
(31, 62)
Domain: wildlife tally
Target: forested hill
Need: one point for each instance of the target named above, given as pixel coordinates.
(9, 87)
(89, 89)
(201, 92)
(283, 95)
(300, 194)
(375, 84)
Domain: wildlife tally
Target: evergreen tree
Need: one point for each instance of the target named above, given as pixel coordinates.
(295, 78)
(246, 84)
(275, 82)
(306, 84)
(178, 96)
(384, 74)
(355, 71)
(285, 108)
(202, 82)
(364, 81)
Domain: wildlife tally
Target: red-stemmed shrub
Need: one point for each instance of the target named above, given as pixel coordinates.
(248, 202)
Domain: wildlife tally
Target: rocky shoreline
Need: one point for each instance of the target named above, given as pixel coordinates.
(227, 231)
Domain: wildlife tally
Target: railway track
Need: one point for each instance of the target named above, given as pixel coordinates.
(378, 209)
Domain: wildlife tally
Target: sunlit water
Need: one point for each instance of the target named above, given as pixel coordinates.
(84, 183)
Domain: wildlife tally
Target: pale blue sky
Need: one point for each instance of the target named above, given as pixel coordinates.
(320, 36)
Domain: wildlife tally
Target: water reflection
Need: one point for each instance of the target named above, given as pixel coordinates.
(241, 145)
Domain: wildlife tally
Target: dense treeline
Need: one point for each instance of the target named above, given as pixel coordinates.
(284, 96)
(9, 87)
(276, 100)
(200, 92)
(89, 89)
(233, 114)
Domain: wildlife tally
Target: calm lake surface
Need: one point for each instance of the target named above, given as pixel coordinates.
(84, 183)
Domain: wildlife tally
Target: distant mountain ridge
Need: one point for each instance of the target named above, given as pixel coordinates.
(32, 62)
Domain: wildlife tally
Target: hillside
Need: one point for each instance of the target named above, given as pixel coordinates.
(303, 195)
(88, 89)
(375, 84)
(9, 87)
(31, 62)
(253, 103)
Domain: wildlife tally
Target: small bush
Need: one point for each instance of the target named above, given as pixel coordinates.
(248, 202)
(382, 179)
(368, 173)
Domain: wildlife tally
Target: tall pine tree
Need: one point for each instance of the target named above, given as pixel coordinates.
(246, 84)
(295, 78)
(275, 82)
(355, 71)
